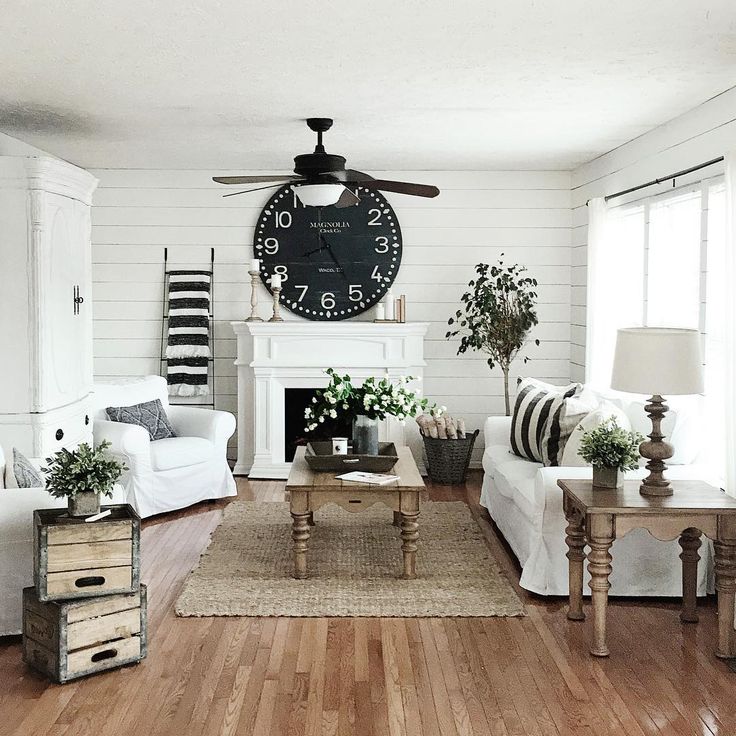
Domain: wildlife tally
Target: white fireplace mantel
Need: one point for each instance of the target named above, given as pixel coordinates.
(274, 356)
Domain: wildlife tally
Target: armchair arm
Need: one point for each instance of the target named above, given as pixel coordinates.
(497, 431)
(128, 441)
(191, 421)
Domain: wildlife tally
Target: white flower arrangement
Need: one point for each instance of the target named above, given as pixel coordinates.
(376, 398)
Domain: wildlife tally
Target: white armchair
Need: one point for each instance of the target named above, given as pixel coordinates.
(166, 474)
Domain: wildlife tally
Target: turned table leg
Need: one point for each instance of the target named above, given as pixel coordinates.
(409, 536)
(600, 538)
(690, 543)
(725, 568)
(300, 534)
(576, 555)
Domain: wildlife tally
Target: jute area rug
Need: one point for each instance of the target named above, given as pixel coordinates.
(354, 566)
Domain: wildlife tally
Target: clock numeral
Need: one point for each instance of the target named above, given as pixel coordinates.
(355, 292)
(376, 275)
(282, 271)
(376, 219)
(304, 289)
(297, 201)
(283, 219)
(271, 246)
(328, 300)
(382, 246)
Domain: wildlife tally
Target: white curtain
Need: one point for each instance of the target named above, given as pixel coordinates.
(730, 299)
(614, 284)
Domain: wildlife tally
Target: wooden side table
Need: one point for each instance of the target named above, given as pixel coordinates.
(596, 517)
(307, 491)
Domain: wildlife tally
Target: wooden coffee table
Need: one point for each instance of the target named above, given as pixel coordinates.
(308, 491)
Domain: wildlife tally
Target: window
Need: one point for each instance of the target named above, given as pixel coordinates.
(666, 254)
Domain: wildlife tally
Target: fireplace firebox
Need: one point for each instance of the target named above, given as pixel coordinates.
(296, 400)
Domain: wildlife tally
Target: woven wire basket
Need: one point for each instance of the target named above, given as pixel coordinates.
(448, 460)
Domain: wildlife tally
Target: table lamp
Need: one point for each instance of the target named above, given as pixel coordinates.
(658, 361)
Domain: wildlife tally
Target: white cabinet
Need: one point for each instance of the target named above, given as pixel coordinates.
(45, 304)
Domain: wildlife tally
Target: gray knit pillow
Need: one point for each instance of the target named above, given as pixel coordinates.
(150, 415)
(21, 473)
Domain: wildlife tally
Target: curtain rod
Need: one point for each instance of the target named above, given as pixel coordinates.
(676, 175)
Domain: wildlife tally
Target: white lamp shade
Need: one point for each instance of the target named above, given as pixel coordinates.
(658, 360)
(319, 195)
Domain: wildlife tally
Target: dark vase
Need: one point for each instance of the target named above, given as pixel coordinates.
(365, 435)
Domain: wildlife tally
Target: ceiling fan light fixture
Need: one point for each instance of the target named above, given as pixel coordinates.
(319, 195)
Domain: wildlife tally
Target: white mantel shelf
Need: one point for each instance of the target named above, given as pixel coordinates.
(274, 356)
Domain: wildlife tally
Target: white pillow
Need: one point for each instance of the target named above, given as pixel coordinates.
(570, 457)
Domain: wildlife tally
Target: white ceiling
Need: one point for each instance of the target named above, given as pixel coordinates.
(412, 84)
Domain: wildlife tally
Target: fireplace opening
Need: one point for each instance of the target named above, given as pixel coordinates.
(296, 400)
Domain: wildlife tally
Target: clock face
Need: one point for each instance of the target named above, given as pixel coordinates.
(334, 263)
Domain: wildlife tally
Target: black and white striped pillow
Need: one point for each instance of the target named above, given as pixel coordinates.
(537, 404)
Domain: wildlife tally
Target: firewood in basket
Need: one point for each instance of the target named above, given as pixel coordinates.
(441, 428)
(451, 428)
(461, 429)
(425, 423)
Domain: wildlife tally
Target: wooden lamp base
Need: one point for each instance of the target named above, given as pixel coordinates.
(656, 451)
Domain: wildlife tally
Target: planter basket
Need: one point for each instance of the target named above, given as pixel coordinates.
(448, 460)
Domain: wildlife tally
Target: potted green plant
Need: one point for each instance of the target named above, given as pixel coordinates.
(364, 405)
(497, 314)
(611, 451)
(82, 475)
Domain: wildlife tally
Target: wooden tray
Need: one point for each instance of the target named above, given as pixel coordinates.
(319, 457)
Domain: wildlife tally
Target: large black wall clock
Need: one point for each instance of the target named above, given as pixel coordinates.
(334, 263)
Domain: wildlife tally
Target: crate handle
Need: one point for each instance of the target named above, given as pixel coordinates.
(355, 460)
(104, 654)
(89, 581)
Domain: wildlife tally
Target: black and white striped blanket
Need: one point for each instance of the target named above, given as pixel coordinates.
(188, 348)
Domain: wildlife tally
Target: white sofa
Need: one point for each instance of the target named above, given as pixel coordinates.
(525, 502)
(172, 473)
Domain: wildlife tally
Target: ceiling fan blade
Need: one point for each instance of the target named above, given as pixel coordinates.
(257, 179)
(347, 199)
(258, 189)
(402, 187)
(349, 175)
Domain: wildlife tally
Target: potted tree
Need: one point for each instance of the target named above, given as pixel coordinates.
(497, 314)
(82, 475)
(611, 451)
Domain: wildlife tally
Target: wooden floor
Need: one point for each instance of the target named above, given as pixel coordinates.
(448, 677)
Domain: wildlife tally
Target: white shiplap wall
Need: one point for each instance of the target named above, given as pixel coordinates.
(478, 216)
(702, 134)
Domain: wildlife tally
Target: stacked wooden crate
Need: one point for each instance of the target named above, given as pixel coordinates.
(87, 609)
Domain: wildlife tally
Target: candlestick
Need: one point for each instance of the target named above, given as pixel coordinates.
(255, 265)
(275, 281)
(254, 297)
(276, 291)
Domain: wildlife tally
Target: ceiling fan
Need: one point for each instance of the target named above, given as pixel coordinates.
(321, 179)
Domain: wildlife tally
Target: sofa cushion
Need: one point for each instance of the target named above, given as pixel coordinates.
(150, 415)
(559, 427)
(180, 452)
(606, 410)
(537, 403)
(682, 425)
